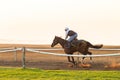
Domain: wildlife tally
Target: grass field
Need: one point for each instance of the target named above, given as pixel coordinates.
(37, 74)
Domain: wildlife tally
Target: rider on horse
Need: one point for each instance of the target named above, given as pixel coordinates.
(72, 35)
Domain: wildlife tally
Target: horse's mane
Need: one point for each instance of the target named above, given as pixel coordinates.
(60, 38)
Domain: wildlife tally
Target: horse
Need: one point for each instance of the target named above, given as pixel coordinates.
(82, 46)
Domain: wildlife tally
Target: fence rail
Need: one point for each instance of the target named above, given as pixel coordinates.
(10, 50)
(43, 51)
(59, 54)
(6, 48)
(103, 49)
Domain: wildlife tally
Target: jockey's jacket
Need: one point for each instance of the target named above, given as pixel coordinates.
(70, 33)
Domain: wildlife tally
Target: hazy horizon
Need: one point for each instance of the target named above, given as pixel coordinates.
(38, 21)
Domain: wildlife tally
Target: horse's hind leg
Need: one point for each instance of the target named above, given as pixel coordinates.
(82, 62)
(90, 57)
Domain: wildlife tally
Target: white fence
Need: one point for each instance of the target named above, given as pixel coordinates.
(4, 50)
(59, 54)
(14, 50)
(43, 51)
(103, 49)
(9, 50)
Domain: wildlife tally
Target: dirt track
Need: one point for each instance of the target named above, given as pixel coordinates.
(35, 60)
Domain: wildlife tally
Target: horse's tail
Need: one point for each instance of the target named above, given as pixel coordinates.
(95, 46)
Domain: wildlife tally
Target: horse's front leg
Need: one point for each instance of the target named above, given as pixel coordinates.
(71, 60)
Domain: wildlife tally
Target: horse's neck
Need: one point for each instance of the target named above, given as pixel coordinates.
(62, 42)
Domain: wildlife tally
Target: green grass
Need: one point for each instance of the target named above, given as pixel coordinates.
(37, 74)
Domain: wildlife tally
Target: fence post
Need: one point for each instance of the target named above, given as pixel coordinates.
(15, 54)
(23, 58)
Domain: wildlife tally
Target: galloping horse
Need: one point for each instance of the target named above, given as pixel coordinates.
(82, 46)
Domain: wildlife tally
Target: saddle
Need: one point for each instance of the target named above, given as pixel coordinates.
(74, 43)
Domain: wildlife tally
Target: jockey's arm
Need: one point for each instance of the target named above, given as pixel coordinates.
(66, 37)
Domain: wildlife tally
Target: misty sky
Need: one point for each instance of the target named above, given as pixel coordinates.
(38, 21)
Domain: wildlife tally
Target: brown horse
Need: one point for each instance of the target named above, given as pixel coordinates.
(82, 46)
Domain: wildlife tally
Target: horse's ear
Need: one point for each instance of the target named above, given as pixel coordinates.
(55, 36)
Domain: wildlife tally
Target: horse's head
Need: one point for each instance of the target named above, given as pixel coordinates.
(55, 41)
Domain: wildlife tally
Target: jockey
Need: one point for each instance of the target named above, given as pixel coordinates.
(71, 34)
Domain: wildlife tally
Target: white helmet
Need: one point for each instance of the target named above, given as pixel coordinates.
(66, 28)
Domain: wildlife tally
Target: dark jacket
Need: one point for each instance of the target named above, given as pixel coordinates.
(70, 33)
